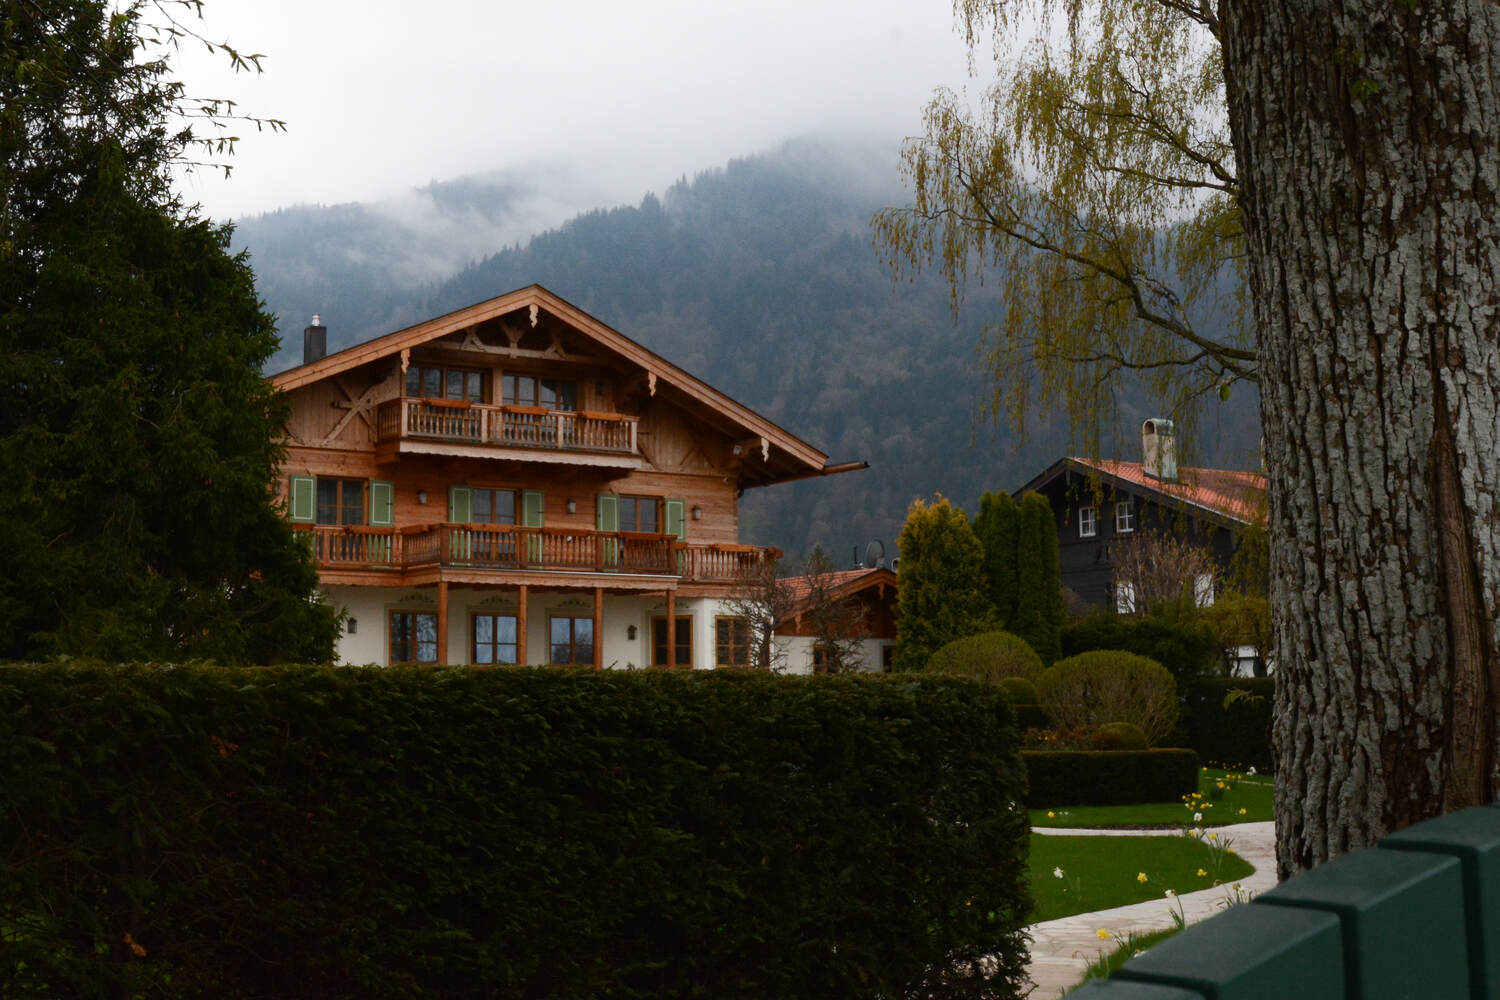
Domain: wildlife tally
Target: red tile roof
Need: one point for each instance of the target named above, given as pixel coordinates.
(841, 583)
(1240, 495)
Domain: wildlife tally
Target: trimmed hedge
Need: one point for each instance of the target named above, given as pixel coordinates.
(989, 656)
(1236, 736)
(1108, 777)
(321, 832)
(1187, 649)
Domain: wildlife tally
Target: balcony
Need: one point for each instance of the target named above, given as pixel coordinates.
(505, 549)
(454, 427)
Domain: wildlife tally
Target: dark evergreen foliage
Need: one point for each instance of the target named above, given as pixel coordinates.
(1233, 730)
(1108, 777)
(1186, 647)
(306, 832)
(1039, 599)
(940, 589)
(136, 436)
(998, 526)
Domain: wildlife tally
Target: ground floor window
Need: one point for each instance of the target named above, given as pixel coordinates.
(731, 642)
(414, 637)
(820, 658)
(572, 640)
(494, 639)
(684, 639)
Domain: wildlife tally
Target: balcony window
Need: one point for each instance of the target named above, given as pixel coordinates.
(414, 637)
(341, 501)
(495, 639)
(548, 393)
(433, 382)
(640, 514)
(494, 506)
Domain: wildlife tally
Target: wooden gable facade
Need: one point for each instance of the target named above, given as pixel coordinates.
(522, 456)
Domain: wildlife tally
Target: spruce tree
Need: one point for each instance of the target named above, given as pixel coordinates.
(1039, 604)
(137, 436)
(940, 587)
(997, 527)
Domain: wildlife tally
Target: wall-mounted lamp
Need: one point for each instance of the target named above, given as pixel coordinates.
(630, 631)
(421, 496)
(353, 626)
(697, 513)
(276, 488)
(572, 506)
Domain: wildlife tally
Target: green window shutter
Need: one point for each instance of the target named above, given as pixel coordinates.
(382, 503)
(607, 518)
(607, 512)
(676, 518)
(303, 506)
(460, 505)
(533, 504)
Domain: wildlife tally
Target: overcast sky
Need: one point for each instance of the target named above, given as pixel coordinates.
(381, 96)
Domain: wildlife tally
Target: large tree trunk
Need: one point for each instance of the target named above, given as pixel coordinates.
(1367, 135)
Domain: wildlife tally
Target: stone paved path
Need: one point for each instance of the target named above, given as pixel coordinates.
(1062, 949)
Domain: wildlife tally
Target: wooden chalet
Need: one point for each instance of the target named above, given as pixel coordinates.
(872, 591)
(516, 482)
(1098, 502)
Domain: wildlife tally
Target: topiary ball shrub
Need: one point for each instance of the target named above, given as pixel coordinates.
(1118, 736)
(988, 656)
(1108, 685)
(1020, 691)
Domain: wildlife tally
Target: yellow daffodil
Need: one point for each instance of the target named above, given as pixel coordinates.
(1141, 877)
(1103, 934)
(1202, 873)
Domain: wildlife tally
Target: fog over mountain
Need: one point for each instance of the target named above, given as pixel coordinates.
(759, 277)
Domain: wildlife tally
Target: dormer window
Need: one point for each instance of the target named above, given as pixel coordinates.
(435, 382)
(548, 393)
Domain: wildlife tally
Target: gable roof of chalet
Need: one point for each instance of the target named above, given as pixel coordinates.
(769, 454)
(842, 585)
(1224, 496)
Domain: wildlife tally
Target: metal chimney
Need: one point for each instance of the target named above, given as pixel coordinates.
(1159, 449)
(314, 341)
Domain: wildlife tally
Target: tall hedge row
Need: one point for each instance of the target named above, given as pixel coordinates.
(323, 832)
(1237, 734)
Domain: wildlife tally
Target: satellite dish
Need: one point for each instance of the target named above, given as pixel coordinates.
(875, 554)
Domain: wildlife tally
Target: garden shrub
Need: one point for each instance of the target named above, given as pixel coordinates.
(1090, 689)
(1108, 777)
(1020, 691)
(317, 832)
(1119, 736)
(1235, 735)
(1185, 647)
(988, 656)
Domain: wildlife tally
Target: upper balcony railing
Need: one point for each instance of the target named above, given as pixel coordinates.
(510, 548)
(458, 422)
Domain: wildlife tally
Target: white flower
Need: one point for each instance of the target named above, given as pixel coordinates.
(1197, 817)
(1250, 770)
(1057, 873)
(1170, 893)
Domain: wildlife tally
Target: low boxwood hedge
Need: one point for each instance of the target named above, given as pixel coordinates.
(320, 832)
(1108, 777)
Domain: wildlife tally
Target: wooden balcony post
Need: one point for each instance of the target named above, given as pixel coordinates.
(442, 650)
(671, 628)
(521, 626)
(633, 428)
(598, 628)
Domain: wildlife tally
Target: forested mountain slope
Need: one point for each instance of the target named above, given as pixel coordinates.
(761, 279)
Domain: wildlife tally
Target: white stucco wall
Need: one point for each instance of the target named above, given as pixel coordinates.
(797, 653)
(369, 608)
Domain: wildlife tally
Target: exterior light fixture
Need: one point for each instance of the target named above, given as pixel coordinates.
(697, 513)
(630, 631)
(572, 506)
(353, 626)
(421, 496)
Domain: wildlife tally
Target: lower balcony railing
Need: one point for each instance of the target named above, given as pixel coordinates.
(514, 548)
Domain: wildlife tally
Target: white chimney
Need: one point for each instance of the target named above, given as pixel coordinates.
(1159, 449)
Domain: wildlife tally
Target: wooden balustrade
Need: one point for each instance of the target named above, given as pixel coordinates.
(516, 548)
(510, 426)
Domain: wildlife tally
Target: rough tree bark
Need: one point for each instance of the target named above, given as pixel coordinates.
(1367, 134)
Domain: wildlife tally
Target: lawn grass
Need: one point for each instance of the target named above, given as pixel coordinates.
(1099, 873)
(1248, 800)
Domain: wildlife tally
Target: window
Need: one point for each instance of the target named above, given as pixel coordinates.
(1088, 522)
(414, 636)
(495, 639)
(731, 642)
(1203, 590)
(640, 514)
(341, 501)
(887, 658)
(1124, 597)
(820, 658)
(494, 506)
(572, 640)
(528, 390)
(1125, 517)
(432, 382)
(684, 639)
